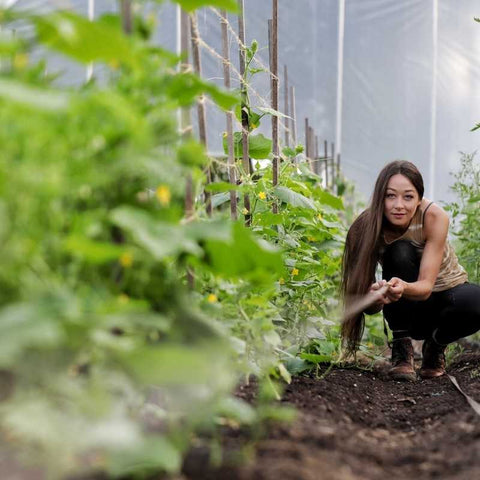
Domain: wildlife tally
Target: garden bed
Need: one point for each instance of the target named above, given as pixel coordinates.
(357, 424)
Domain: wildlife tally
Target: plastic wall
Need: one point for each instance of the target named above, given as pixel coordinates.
(410, 84)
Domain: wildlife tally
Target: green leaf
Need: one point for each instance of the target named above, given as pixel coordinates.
(238, 410)
(316, 358)
(192, 154)
(254, 71)
(191, 5)
(221, 187)
(245, 257)
(289, 152)
(284, 373)
(225, 100)
(293, 198)
(220, 199)
(25, 325)
(35, 97)
(184, 88)
(326, 198)
(93, 251)
(176, 364)
(160, 239)
(84, 40)
(254, 120)
(259, 147)
(296, 365)
(149, 456)
(476, 127)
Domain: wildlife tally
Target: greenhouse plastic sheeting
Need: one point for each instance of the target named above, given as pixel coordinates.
(410, 87)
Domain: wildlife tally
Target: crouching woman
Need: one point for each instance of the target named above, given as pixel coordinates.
(424, 293)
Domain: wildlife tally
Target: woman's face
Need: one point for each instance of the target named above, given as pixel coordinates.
(401, 201)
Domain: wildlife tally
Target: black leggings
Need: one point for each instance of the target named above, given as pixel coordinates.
(446, 316)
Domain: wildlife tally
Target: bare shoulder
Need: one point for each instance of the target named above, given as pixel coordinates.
(434, 212)
(436, 220)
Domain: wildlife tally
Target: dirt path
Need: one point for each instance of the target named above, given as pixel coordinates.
(356, 425)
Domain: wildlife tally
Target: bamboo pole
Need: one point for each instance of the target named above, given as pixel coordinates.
(317, 156)
(231, 153)
(244, 102)
(202, 119)
(274, 70)
(286, 106)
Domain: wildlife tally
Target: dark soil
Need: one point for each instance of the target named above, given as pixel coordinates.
(356, 424)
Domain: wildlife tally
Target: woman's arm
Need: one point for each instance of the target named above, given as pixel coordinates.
(436, 231)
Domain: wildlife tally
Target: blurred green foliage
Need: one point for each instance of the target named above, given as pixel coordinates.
(464, 211)
(109, 360)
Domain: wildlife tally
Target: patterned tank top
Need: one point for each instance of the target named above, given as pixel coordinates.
(451, 272)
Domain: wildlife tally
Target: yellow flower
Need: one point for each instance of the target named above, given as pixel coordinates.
(163, 194)
(281, 281)
(262, 195)
(295, 272)
(126, 260)
(123, 298)
(244, 211)
(311, 239)
(20, 61)
(212, 298)
(114, 63)
(319, 217)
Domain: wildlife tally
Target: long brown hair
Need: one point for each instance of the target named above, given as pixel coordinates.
(361, 253)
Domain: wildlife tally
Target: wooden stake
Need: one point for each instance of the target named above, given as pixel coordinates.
(286, 106)
(325, 162)
(311, 148)
(317, 156)
(293, 112)
(327, 186)
(185, 114)
(202, 120)
(231, 153)
(307, 143)
(338, 170)
(186, 129)
(245, 120)
(270, 53)
(274, 70)
(126, 14)
(333, 163)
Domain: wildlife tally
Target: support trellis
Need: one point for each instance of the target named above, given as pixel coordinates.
(326, 164)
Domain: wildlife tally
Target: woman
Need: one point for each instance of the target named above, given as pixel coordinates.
(427, 296)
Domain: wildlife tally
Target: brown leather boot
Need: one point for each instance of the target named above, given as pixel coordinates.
(402, 360)
(433, 364)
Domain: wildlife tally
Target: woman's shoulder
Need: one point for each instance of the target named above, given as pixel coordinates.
(435, 222)
(431, 211)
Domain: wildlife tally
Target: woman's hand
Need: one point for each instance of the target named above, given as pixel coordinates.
(378, 291)
(395, 290)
